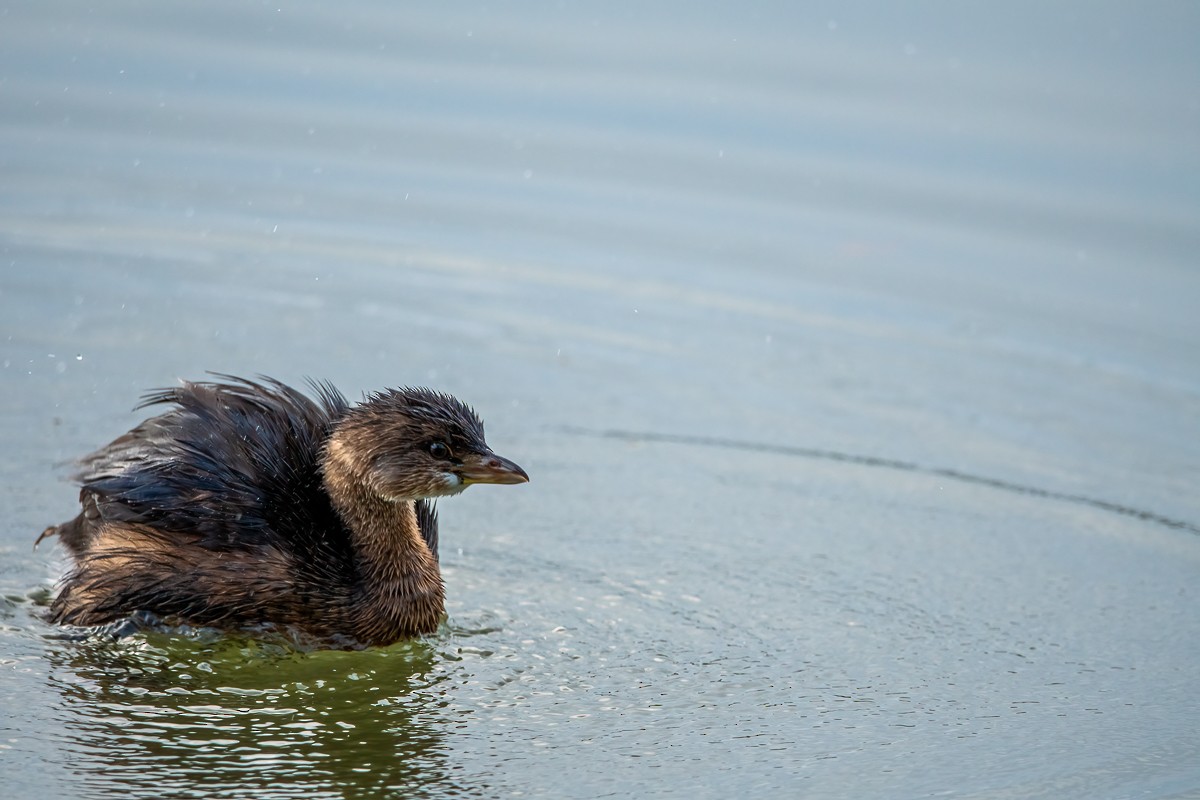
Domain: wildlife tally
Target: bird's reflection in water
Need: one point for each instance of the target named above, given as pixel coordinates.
(155, 715)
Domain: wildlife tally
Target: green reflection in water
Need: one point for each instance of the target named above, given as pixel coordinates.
(158, 715)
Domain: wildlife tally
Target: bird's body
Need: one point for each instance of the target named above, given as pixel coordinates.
(250, 502)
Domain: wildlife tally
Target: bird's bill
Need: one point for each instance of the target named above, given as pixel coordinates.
(491, 468)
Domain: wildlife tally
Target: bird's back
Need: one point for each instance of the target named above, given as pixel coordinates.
(233, 465)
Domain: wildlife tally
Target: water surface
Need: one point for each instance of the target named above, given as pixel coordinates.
(852, 354)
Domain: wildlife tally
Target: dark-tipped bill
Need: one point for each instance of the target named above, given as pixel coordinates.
(491, 468)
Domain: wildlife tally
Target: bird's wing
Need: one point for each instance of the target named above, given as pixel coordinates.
(234, 463)
(427, 522)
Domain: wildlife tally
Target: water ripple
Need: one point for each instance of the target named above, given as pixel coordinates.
(884, 463)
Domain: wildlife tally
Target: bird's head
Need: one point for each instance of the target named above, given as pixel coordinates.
(410, 444)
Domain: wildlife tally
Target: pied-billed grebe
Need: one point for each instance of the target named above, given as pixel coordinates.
(249, 502)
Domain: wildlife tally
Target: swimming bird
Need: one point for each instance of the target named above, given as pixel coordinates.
(250, 502)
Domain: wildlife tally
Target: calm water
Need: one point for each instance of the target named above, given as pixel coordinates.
(853, 354)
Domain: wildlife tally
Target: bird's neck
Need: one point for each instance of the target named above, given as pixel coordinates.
(399, 591)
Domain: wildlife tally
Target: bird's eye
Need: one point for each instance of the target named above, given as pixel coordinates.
(439, 450)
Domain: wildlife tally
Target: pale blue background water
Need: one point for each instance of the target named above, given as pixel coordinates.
(959, 238)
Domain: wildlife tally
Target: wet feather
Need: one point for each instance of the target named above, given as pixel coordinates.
(250, 501)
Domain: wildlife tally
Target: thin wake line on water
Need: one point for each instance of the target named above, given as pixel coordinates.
(885, 463)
